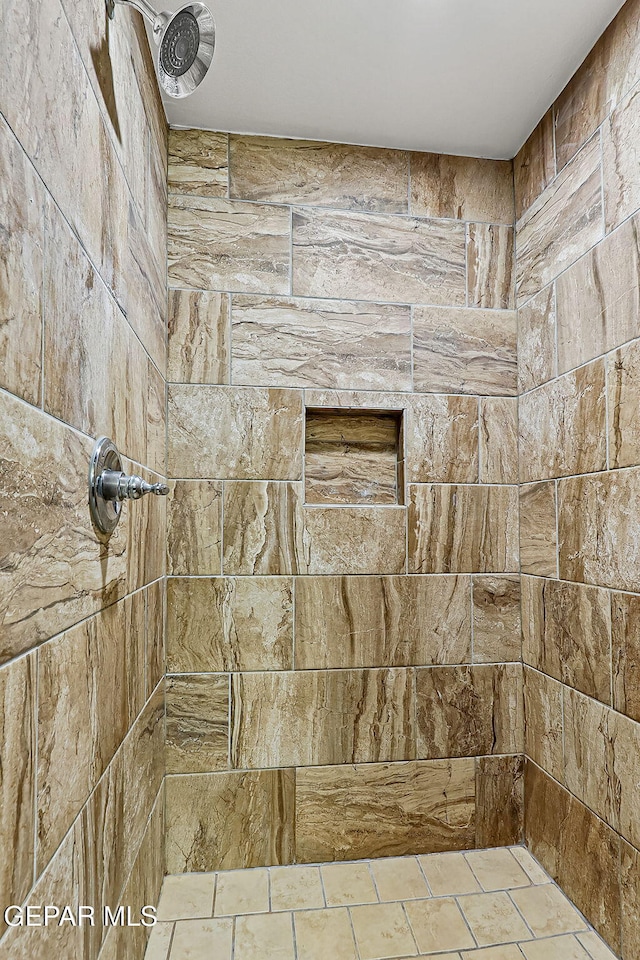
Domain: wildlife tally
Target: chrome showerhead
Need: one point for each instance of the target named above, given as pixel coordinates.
(186, 41)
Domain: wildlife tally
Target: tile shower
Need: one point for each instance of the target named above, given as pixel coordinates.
(392, 605)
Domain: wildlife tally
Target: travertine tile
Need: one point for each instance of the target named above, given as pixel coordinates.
(449, 874)
(438, 924)
(499, 801)
(21, 256)
(507, 951)
(534, 166)
(194, 528)
(623, 392)
(596, 948)
(229, 623)
(355, 540)
(269, 935)
(187, 896)
(197, 724)
(562, 224)
(469, 711)
(319, 174)
(395, 809)
(493, 918)
(321, 717)
(198, 163)
(234, 433)
(242, 891)
(620, 168)
(264, 529)
(229, 820)
(198, 342)
(462, 529)
(543, 722)
(497, 870)
(547, 911)
(461, 188)
(382, 931)
(159, 942)
(365, 257)
(228, 245)
(381, 621)
(538, 532)
(625, 650)
(441, 439)
(296, 888)
(555, 948)
(530, 865)
(563, 425)
(629, 895)
(625, 776)
(201, 939)
(320, 933)
(490, 266)
(497, 622)
(537, 338)
(499, 440)
(466, 351)
(341, 344)
(348, 883)
(399, 879)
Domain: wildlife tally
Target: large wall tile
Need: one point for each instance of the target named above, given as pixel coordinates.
(441, 439)
(469, 711)
(625, 776)
(381, 621)
(194, 528)
(623, 386)
(235, 433)
(620, 163)
(490, 266)
(321, 343)
(538, 533)
(322, 174)
(198, 346)
(228, 245)
(461, 188)
(368, 257)
(227, 821)
(537, 338)
(590, 746)
(382, 810)
(197, 724)
(625, 649)
(498, 440)
(497, 621)
(355, 540)
(198, 163)
(562, 224)
(499, 801)
(543, 722)
(465, 351)
(263, 529)
(229, 623)
(321, 717)
(630, 894)
(463, 529)
(534, 167)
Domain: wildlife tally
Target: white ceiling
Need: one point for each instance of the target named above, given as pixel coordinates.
(469, 77)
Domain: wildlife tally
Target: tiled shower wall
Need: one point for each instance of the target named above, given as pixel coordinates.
(578, 290)
(82, 352)
(344, 681)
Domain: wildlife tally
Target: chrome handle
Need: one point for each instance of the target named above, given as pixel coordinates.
(115, 485)
(109, 486)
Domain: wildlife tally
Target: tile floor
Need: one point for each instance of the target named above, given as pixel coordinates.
(480, 905)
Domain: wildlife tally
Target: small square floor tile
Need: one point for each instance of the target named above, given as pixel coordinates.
(242, 891)
(497, 869)
(556, 948)
(382, 931)
(449, 874)
(438, 925)
(348, 883)
(547, 910)
(399, 878)
(506, 951)
(187, 896)
(296, 888)
(493, 918)
(323, 934)
(530, 865)
(264, 935)
(595, 946)
(159, 942)
(202, 940)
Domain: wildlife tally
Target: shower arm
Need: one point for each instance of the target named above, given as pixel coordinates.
(157, 20)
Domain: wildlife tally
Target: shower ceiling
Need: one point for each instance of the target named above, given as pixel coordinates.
(452, 76)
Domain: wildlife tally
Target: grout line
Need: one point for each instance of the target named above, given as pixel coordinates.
(557, 506)
(509, 893)
(408, 921)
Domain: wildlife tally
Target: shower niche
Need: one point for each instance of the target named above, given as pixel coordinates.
(354, 457)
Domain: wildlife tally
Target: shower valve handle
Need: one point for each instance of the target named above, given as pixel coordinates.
(110, 486)
(115, 485)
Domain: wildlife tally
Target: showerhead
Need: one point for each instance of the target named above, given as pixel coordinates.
(186, 41)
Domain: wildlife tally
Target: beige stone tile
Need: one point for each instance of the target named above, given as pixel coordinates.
(543, 722)
(322, 717)
(187, 896)
(537, 360)
(493, 918)
(347, 884)
(547, 911)
(555, 948)
(595, 947)
(234, 433)
(620, 171)
(194, 528)
(625, 777)
(499, 801)
(449, 874)
(372, 810)
(497, 869)
(159, 942)
(625, 647)
(197, 723)
(497, 621)
(323, 933)
(464, 351)
(399, 879)
(498, 440)
(508, 951)
(198, 163)
(202, 939)
(319, 174)
(382, 931)
(534, 166)
(530, 865)
(441, 439)
(228, 245)
(461, 188)
(338, 344)
(538, 532)
(264, 529)
(355, 540)
(490, 266)
(296, 888)
(222, 821)
(438, 924)
(370, 257)
(242, 891)
(623, 391)
(269, 935)
(198, 342)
